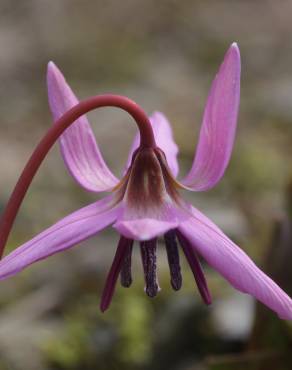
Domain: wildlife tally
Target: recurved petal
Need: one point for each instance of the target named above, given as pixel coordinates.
(234, 265)
(66, 233)
(218, 127)
(164, 140)
(78, 145)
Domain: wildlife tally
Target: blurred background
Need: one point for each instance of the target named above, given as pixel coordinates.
(164, 55)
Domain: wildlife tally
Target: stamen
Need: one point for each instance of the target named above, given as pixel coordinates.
(173, 259)
(111, 280)
(196, 267)
(126, 274)
(148, 253)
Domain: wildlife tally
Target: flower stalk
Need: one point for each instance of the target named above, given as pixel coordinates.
(109, 100)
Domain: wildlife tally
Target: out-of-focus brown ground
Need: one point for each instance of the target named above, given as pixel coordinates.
(163, 55)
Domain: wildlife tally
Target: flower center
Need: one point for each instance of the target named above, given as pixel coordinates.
(148, 184)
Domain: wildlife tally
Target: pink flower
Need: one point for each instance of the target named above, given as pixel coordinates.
(146, 202)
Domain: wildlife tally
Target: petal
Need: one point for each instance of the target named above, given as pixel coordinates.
(145, 224)
(146, 228)
(234, 265)
(78, 146)
(164, 140)
(66, 233)
(219, 126)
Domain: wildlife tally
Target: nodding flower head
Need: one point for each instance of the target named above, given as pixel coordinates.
(145, 203)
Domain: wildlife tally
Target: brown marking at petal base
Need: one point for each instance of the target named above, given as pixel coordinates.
(171, 184)
(146, 182)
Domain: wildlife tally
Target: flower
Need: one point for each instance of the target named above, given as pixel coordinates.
(146, 202)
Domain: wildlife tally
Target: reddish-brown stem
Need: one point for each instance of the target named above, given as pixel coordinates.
(146, 140)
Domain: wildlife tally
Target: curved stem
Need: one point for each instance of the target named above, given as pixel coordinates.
(146, 135)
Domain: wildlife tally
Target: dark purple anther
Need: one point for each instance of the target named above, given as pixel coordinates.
(173, 259)
(196, 267)
(126, 274)
(148, 253)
